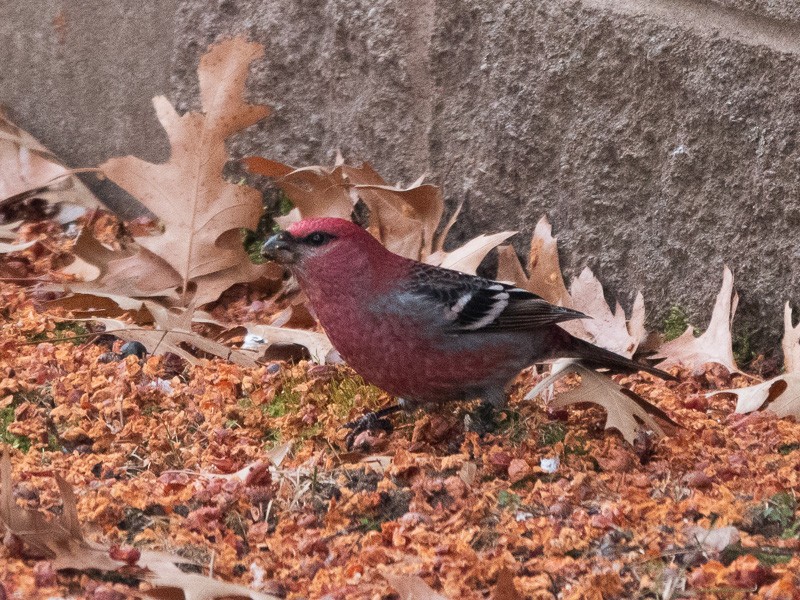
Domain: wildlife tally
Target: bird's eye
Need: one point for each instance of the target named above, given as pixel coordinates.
(318, 238)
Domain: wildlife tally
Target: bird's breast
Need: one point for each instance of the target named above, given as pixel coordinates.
(415, 359)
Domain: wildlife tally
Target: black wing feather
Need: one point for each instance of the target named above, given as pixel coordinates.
(479, 304)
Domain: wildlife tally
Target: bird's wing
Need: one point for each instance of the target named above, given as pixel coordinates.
(471, 303)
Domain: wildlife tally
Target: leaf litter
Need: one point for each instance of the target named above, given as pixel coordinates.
(715, 345)
(187, 471)
(779, 395)
(62, 542)
(626, 411)
(35, 184)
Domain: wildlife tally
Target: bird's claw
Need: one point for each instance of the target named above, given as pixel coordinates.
(371, 421)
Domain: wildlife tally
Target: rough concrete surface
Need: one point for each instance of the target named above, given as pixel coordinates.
(79, 76)
(660, 136)
(778, 9)
(659, 153)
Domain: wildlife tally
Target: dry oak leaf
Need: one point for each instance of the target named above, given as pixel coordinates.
(315, 191)
(131, 273)
(509, 268)
(626, 411)
(606, 328)
(402, 219)
(202, 213)
(544, 267)
(781, 394)
(29, 170)
(545, 278)
(84, 306)
(468, 257)
(260, 337)
(170, 583)
(412, 587)
(60, 539)
(125, 277)
(716, 343)
(176, 339)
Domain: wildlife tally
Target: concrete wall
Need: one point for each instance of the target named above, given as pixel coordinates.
(79, 75)
(659, 135)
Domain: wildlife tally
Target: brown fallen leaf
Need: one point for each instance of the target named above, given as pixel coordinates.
(177, 338)
(715, 345)
(610, 330)
(60, 539)
(84, 306)
(9, 248)
(133, 272)
(126, 277)
(171, 583)
(201, 212)
(260, 337)
(509, 268)
(468, 257)
(403, 219)
(412, 587)
(30, 171)
(781, 394)
(544, 267)
(606, 328)
(545, 278)
(626, 411)
(315, 191)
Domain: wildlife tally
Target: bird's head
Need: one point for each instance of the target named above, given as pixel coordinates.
(318, 242)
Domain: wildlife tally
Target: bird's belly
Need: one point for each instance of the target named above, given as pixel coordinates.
(427, 368)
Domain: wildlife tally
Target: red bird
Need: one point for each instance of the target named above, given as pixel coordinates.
(423, 333)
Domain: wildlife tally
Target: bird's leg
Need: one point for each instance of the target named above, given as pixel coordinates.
(372, 421)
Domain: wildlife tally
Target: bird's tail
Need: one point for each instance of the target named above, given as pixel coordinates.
(597, 357)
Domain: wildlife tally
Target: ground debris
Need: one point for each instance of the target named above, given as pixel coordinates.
(243, 471)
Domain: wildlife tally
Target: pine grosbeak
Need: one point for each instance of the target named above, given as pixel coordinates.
(424, 333)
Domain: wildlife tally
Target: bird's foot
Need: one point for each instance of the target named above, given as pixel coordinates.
(371, 421)
(482, 420)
